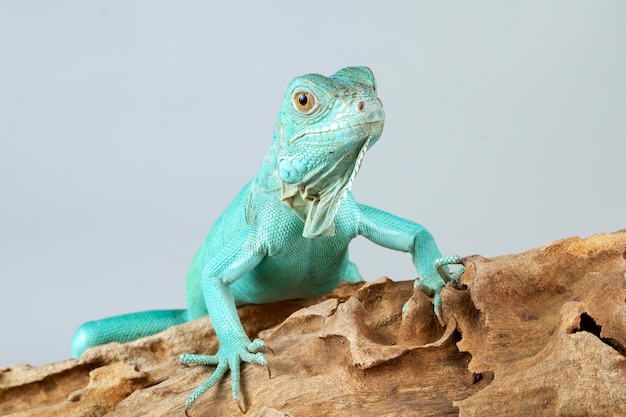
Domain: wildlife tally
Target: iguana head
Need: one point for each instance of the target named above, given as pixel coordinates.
(326, 125)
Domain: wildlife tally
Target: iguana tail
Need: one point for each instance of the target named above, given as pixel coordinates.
(125, 328)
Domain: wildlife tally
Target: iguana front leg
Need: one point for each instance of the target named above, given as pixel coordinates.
(396, 233)
(236, 259)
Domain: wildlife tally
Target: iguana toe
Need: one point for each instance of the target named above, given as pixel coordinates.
(445, 274)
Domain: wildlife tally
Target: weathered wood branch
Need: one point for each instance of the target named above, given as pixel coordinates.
(539, 333)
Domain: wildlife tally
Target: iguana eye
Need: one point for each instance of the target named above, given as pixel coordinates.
(304, 101)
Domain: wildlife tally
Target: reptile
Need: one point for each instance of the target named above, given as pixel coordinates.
(286, 233)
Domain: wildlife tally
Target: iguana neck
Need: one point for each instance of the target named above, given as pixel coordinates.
(268, 183)
(325, 194)
(267, 180)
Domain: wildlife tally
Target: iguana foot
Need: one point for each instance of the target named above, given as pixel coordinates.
(445, 278)
(228, 357)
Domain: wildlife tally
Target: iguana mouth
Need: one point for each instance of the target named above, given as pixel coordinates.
(317, 200)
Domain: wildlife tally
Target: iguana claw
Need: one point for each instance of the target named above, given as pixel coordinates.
(439, 315)
(241, 405)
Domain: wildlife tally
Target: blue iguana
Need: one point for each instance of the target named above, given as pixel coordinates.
(286, 234)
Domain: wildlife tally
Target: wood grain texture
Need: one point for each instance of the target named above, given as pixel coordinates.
(538, 333)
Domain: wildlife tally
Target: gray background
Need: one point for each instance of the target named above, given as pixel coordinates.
(127, 127)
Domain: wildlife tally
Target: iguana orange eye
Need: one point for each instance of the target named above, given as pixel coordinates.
(304, 101)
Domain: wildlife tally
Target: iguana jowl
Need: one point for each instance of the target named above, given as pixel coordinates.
(286, 234)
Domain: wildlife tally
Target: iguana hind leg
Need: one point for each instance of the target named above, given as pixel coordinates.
(125, 328)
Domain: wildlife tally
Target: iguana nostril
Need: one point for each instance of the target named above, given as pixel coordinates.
(360, 106)
(375, 115)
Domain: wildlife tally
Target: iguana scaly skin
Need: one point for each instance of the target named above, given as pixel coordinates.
(286, 233)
